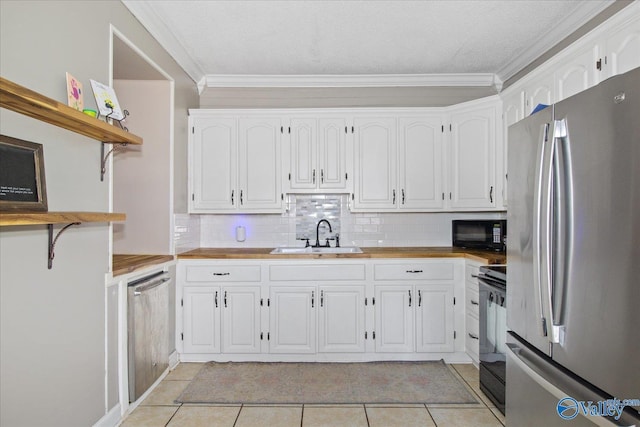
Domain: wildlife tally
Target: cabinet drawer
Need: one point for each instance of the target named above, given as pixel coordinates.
(223, 273)
(470, 271)
(472, 298)
(316, 273)
(414, 271)
(472, 338)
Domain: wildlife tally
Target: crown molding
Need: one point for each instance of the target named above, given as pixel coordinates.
(356, 80)
(552, 36)
(143, 11)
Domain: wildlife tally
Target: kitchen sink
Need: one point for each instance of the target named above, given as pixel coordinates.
(321, 250)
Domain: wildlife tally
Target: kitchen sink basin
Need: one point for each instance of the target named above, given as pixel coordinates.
(322, 250)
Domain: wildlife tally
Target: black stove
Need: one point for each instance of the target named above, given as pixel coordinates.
(492, 282)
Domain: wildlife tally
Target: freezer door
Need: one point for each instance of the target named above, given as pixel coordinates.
(527, 140)
(539, 393)
(596, 291)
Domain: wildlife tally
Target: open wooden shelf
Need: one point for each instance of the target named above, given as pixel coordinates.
(25, 101)
(35, 218)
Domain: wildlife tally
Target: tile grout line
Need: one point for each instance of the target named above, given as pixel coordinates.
(431, 415)
(478, 395)
(174, 414)
(366, 415)
(238, 416)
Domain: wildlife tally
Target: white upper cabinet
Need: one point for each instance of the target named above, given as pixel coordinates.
(259, 171)
(235, 164)
(317, 156)
(213, 153)
(539, 91)
(576, 74)
(375, 163)
(472, 153)
(420, 160)
(512, 112)
(622, 47)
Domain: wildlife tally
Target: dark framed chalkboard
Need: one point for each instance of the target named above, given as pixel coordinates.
(22, 180)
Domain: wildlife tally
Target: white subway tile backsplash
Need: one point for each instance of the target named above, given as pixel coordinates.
(304, 212)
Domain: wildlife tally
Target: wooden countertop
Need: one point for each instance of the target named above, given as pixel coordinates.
(123, 264)
(367, 253)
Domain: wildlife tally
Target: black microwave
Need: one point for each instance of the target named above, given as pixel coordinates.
(487, 234)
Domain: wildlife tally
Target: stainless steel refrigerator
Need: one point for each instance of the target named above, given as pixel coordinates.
(573, 251)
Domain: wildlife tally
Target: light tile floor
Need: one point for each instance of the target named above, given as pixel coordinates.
(159, 410)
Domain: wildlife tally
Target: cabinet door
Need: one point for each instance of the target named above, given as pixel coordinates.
(473, 153)
(537, 92)
(201, 319)
(622, 49)
(292, 319)
(578, 73)
(241, 319)
(259, 170)
(434, 318)
(213, 164)
(420, 160)
(394, 318)
(512, 112)
(375, 163)
(332, 152)
(304, 173)
(341, 317)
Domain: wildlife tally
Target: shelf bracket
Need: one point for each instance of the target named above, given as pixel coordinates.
(52, 241)
(105, 157)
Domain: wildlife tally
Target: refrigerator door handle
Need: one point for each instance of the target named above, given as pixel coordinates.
(549, 378)
(541, 223)
(563, 227)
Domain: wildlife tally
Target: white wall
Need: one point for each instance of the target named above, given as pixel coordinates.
(52, 325)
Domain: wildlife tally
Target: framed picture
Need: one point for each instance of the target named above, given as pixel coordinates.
(106, 101)
(22, 181)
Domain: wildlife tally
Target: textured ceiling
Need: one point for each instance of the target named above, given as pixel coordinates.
(359, 37)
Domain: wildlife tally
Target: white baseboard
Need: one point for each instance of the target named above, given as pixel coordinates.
(111, 418)
(173, 360)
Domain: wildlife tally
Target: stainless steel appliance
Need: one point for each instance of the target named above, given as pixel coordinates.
(492, 282)
(148, 327)
(574, 260)
(486, 234)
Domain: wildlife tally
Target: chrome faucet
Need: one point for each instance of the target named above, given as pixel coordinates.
(317, 245)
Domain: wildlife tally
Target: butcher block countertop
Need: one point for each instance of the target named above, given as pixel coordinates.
(487, 257)
(123, 264)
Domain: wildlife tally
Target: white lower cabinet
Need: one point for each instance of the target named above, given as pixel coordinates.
(313, 310)
(241, 319)
(435, 318)
(394, 318)
(292, 319)
(201, 317)
(341, 319)
(472, 311)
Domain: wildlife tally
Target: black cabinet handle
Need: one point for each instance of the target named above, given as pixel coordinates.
(473, 336)
(419, 298)
(491, 194)
(409, 297)
(474, 302)
(312, 299)
(221, 274)
(414, 271)
(225, 299)
(216, 299)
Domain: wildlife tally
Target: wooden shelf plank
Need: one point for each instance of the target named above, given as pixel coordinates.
(35, 218)
(25, 101)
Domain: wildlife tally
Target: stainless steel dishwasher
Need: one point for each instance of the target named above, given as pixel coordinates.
(148, 327)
